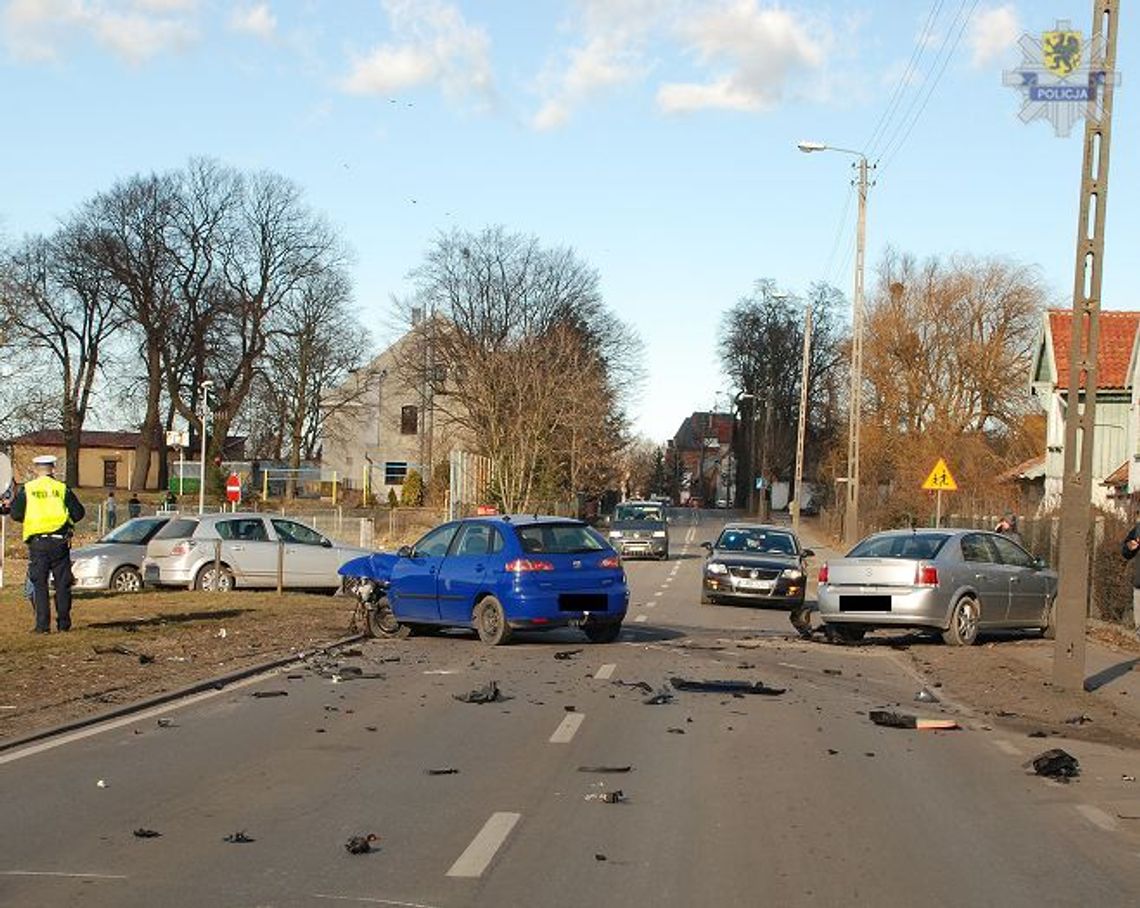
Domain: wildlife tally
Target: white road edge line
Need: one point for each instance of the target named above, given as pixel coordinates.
(490, 839)
(640, 618)
(369, 901)
(1097, 817)
(567, 728)
(78, 876)
(605, 672)
(33, 749)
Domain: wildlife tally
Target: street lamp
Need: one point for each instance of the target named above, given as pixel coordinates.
(205, 386)
(851, 516)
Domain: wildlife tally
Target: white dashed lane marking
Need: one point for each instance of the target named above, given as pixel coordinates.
(641, 618)
(480, 852)
(567, 728)
(1097, 817)
(606, 671)
(657, 594)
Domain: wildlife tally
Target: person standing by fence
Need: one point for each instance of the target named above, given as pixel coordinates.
(1128, 549)
(110, 512)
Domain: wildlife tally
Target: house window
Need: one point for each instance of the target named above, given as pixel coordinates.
(110, 474)
(409, 420)
(395, 471)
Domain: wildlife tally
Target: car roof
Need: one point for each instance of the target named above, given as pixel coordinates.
(741, 525)
(947, 531)
(524, 519)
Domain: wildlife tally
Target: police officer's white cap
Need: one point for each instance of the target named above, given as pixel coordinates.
(45, 460)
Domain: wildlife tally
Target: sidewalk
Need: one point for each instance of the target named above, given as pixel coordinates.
(1112, 674)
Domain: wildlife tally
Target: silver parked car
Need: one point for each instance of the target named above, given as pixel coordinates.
(951, 580)
(246, 547)
(115, 561)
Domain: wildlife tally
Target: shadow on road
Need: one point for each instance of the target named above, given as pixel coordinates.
(175, 618)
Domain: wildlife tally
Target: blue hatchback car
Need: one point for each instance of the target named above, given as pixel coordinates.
(496, 575)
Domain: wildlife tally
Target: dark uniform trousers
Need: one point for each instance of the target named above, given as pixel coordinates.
(51, 554)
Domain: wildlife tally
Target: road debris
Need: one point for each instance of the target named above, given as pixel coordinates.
(926, 696)
(1078, 720)
(726, 687)
(442, 771)
(658, 699)
(570, 708)
(350, 653)
(833, 671)
(832, 751)
(607, 797)
(238, 838)
(639, 685)
(264, 694)
(675, 731)
(564, 654)
(119, 650)
(1055, 764)
(102, 783)
(598, 856)
(144, 833)
(604, 769)
(1125, 777)
(904, 720)
(165, 723)
(361, 844)
(1038, 734)
(488, 693)
(370, 728)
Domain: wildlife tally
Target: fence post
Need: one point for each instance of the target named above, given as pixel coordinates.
(367, 532)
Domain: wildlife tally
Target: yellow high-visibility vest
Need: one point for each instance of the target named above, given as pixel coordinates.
(47, 506)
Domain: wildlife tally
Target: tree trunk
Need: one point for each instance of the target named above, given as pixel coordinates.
(152, 420)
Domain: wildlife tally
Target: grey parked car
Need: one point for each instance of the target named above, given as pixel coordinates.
(246, 547)
(951, 580)
(115, 561)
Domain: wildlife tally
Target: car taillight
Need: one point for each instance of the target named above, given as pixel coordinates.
(823, 573)
(523, 565)
(181, 548)
(926, 575)
(614, 561)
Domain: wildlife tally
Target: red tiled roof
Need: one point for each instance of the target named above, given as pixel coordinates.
(1118, 477)
(54, 438)
(1117, 334)
(1034, 467)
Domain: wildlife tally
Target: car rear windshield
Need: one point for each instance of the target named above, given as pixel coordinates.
(652, 513)
(918, 546)
(560, 539)
(179, 528)
(135, 532)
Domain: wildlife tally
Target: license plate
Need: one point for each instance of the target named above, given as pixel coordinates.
(759, 585)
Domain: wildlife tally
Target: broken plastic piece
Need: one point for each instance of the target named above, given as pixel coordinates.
(904, 720)
(926, 696)
(488, 693)
(659, 698)
(442, 771)
(833, 671)
(361, 844)
(598, 856)
(165, 723)
(143, 833)
(640, 685)
(1078, 720)
(566, 654)
(1056, 764)
(607, 797)
(101, 784)
(263, 694)
(238, 838)
(604, 768)
(726, 687)
(675, 731)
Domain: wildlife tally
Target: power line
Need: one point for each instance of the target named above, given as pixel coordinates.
(904, 78)
(839, 230)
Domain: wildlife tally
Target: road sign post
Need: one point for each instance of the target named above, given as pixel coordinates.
(233, 490)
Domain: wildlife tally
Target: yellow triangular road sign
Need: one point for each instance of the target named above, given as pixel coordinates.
(940, 479)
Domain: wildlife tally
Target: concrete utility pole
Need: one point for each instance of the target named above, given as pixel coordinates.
(1071, 609)
(851, 513)
(801, 428)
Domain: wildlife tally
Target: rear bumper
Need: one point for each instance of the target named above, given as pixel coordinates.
(886, 607)
(543, 608)
(164, 575)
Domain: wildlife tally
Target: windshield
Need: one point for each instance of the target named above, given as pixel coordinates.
(917, 546)
(135, 532)
(560, 539)
(647, 511)
(757, 541)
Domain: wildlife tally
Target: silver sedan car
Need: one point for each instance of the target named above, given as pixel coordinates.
(245, 547)
(955, 581)
(115, 561)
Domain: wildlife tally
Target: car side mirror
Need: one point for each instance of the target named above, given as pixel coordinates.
(404, 551)
(808, 553)
(707, 545)
(327, 543)
(1040, 563)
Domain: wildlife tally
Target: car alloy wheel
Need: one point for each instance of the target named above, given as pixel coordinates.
(382, 621)
(964, 622)
(491, 622)
(126, 580)
(207, 581)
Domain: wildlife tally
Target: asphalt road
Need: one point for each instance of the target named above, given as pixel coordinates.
(728, 801)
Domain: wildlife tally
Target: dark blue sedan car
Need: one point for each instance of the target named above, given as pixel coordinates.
(496, 575)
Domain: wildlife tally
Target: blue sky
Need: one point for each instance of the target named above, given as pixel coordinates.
(656, 137)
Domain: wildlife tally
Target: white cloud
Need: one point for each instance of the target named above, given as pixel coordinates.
(132, 29)
(991, 33)
(433, 44)
(255, 20)
(754, 54)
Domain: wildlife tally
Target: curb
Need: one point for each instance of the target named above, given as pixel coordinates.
(215, 683)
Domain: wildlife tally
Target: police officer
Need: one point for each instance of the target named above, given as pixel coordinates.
(48, 509)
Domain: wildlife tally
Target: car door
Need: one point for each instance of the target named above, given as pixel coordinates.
(1028, 585)
(309, 559)
(466, 570)
(248, 550)
(413, 590)
(987, 576)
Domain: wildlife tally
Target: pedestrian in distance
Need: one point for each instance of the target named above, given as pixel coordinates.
(170, 503)
(134, 506)
(1128, 549)
(1007, 526)
(48, 509)
(111, 511)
